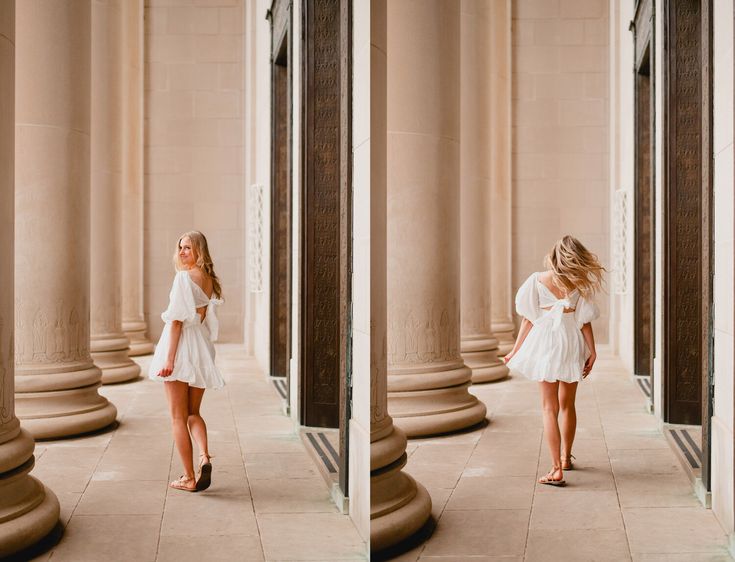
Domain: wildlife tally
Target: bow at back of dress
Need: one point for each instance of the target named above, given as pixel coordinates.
(211, 319)
(555, 306)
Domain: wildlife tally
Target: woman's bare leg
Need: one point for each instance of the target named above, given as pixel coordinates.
(550, 405)
(568, 418)
(195, 421)
(177, 393)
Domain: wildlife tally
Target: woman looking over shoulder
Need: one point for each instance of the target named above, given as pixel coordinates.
(184, 356)
(555, 344)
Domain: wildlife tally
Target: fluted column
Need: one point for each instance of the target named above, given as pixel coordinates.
(427, 379)
(56, 381)
(28, 510)
(479, 344)
(108, 342)
(500, 203)
(399, 506)
(133, 320)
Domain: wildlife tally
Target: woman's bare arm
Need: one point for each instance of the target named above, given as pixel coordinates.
(526, 326)
(589, 338)
(176, 327)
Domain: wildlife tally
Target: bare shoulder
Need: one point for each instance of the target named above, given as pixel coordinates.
(201, 279)
(545, 276)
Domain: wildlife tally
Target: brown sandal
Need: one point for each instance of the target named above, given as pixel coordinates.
(550, 480)
(567, 464)
(205, 473)
(180, 484)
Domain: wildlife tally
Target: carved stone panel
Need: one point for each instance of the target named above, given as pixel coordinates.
(281, 212)
(683, 229)
(322, 302)
(644, 217)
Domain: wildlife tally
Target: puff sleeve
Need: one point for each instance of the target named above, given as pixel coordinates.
(181, 300)
(527, 303)
(586, 311)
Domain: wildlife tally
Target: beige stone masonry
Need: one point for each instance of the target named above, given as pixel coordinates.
(56, 380)
(194, 156)
(560, 134)
(29, 510)
(479, 345)
(427, 379)
(109, 344)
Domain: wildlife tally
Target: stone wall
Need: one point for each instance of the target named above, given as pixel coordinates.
(560, 132)
(193, 146)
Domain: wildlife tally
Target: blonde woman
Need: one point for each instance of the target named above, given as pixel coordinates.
(555, 344)
(184, 356)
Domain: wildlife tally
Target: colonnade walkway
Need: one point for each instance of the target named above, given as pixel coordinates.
(267, 500)
(627, 499)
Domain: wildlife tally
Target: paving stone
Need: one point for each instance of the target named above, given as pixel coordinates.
(627, 498)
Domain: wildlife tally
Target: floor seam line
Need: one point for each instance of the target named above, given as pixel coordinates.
(247, 477)
(533, 498)
(612, 472)
(165, 501)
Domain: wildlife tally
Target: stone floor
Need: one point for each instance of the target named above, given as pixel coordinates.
(267, 501)
(628, 498)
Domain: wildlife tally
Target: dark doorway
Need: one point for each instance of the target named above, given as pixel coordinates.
(281, 213)
(687, 184)
(644, 193)
(326, 219)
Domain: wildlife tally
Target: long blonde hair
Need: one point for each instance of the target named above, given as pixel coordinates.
(204, 260)
(575, 266)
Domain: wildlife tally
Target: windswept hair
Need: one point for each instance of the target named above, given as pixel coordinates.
(575, 266)
(203, 258)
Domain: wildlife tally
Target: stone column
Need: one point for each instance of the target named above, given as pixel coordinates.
(108, 342)
(479, 344)
(427, 380)
(56, 381)
(28, 509)
(500, 203)
(133, 320)
(399, 506)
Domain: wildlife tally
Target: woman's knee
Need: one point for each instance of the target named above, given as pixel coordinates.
(178, 418)
(566, 409)
(550, 407)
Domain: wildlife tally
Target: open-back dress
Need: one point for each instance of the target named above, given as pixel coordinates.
(554, 349)
(194, 362)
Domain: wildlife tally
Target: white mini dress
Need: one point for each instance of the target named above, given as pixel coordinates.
(554, 349)
(194, 362)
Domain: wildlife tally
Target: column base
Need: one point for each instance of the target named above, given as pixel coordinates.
(504, 331)
(28, 510)
(111, 356)
(399, 506)
(433, 411)
(481, 355)
(484, 370)
(139, 342)
(62, 413)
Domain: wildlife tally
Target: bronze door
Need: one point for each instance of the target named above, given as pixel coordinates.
(281, 214)
(326, 220)
(687, 199)
(644, 216)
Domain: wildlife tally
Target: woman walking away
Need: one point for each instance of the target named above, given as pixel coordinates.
(555, 344)
(184, 356)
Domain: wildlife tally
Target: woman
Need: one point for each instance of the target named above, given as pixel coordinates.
(555, 344)
(184, 356)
